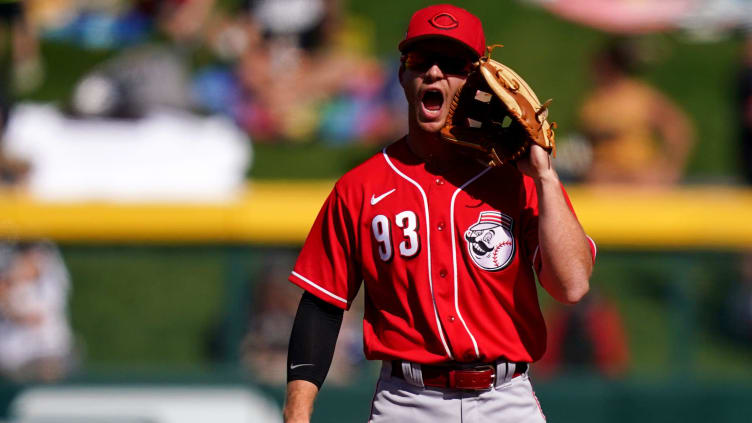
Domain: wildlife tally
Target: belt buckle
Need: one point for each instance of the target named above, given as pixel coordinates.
(477, 379)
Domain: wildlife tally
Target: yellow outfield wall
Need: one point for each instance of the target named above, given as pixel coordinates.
(281, 213)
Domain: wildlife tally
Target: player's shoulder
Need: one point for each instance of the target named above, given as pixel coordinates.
(372, 171)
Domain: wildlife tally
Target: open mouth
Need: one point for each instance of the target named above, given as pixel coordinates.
(432, 100)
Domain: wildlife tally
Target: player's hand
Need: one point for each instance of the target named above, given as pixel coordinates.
(536, 163)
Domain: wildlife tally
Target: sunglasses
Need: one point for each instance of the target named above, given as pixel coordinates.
(422, 62)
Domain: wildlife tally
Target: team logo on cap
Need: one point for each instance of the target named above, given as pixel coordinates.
(444, 20)
(490, 241)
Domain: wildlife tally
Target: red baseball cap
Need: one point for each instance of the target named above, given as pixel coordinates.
(446, 20)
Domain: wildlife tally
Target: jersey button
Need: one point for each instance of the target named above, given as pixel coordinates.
(440, 226)
(451, 319)
(439, 181)
(442, 273)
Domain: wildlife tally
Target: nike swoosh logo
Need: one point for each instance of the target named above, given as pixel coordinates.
(375, 199)
(295, 366)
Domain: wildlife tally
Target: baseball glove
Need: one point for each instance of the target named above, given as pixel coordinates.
(496, 115)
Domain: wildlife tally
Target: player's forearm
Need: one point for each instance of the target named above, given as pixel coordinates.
(299, 401)
(564, 248)
(312, 342)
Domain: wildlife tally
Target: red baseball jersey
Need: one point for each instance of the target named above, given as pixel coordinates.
(446, 259)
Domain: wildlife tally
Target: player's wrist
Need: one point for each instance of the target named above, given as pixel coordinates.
(546, 176)
(299, 401)
(295, 414)
(296, 419)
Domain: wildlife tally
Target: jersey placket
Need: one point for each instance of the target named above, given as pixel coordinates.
(440, 194)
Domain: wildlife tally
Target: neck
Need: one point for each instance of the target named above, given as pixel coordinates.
(431, 149)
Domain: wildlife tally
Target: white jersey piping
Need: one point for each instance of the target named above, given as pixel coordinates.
(535, 254)
(454, 258)
(428, 249)
(595, 247)
(306, 280)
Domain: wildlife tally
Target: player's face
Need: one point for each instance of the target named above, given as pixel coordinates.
(431, 74)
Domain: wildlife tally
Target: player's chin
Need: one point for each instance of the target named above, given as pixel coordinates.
(431, 123)
(431, 127)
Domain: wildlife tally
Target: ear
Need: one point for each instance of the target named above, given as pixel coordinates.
(401, 72)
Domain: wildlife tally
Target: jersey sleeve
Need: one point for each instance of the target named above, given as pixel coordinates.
(529, 230)
(327, 266)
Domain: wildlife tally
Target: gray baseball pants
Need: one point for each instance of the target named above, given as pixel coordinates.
(397, 400)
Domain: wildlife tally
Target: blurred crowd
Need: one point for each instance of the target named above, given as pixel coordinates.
(234, 72)
(281, 69)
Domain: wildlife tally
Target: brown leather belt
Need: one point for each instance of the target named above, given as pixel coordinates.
(478, 377)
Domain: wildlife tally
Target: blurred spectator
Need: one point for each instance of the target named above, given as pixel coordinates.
(589, 336)
(264, 349)
(636, 133)
(744, 107)
(736, 317)
(21, 71)
(21, 61)
(636, 136)
(35, 337)
(182, 20)
(13, 172)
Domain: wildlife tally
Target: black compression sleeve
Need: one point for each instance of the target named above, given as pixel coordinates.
(314, 335)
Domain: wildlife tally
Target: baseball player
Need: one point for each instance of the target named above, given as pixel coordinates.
(446, 250)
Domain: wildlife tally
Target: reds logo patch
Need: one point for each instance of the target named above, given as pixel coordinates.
(490, 241)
